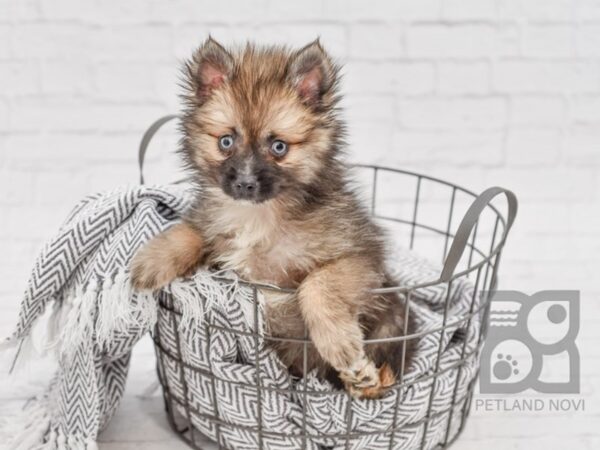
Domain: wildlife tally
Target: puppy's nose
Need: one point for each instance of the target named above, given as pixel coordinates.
(246, 187)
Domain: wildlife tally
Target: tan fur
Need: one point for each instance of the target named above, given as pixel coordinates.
(330, 300)
(371, 384)
(172, 254)
(308, 232)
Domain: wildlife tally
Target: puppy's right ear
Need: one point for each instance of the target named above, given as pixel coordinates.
(209, 68)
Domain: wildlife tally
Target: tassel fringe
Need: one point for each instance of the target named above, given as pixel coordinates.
(30, 429)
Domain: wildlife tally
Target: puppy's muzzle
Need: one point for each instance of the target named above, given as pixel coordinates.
(245, 187)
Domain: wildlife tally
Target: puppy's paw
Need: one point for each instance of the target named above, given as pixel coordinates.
(367, 381)
(149, 270)
(171, 254)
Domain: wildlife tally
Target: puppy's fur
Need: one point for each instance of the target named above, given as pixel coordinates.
(289, 219)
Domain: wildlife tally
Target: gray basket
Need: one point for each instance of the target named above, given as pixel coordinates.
(422, 212)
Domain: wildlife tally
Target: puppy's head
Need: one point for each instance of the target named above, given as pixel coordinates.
(261, 123)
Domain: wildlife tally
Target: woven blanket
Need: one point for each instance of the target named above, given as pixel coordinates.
(79, 289)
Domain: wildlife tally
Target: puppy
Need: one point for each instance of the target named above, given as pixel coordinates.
(263, 138)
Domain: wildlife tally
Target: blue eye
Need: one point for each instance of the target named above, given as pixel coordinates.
(226, 142)
(279, 148)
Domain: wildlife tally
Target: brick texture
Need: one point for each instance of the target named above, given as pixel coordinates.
(480, 92)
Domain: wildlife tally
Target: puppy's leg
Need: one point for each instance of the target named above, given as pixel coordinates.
(169, 255)
(330, 299)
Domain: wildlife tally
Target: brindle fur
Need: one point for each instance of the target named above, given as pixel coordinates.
(303, 228)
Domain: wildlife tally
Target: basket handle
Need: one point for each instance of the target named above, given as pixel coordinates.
(147, 137)
(469, 221)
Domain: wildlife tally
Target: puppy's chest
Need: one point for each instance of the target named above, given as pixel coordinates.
(262, 249)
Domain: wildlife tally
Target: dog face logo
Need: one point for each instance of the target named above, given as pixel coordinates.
(531, 343)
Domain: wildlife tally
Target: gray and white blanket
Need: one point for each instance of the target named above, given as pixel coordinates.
(79, 288)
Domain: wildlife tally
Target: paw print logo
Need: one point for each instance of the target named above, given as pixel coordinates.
(529, 337)
(505, 367)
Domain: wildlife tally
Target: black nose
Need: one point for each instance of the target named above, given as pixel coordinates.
(245, 187)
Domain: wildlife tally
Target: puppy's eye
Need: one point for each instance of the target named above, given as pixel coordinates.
(226, 142)
(279, 148)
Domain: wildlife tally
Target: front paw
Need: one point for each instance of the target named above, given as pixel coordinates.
(173, 253)
(149, 270)
(367, 381)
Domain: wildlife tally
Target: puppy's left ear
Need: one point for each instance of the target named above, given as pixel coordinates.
(313, 74)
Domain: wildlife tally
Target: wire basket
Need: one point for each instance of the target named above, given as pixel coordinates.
(423, 214)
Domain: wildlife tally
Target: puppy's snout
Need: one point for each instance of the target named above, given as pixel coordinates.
(248, 178)
(245, 187)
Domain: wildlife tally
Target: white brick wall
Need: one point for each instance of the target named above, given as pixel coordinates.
(481, 92)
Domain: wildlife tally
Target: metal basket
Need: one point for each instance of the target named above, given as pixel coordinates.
(422, 213)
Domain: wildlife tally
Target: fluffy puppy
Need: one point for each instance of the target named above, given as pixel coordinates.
(262, 137)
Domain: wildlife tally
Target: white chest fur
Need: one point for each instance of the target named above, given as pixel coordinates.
(258, 244)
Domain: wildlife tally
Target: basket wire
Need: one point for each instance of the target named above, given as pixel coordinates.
(482, 271)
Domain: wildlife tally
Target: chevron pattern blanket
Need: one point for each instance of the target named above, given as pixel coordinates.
(79, 289)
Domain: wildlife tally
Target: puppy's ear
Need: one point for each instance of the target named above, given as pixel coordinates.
(312, 73)
(210, 67)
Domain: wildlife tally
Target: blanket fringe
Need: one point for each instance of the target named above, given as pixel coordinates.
(29, 429)
(113, 306)
(120, 307)
(37, 343)
(94, 309)
(205, 285)
(79, 322)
